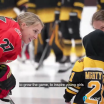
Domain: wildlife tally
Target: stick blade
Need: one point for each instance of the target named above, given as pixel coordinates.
(11, 102)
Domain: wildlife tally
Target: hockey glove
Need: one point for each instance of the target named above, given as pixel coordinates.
(7, 80)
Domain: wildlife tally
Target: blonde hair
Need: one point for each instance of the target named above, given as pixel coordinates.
(29, 18)
(98, 16)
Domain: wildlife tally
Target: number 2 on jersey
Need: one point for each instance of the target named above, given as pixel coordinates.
(92, 92)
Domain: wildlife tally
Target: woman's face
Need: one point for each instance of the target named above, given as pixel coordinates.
(30, 32)
(98, 25)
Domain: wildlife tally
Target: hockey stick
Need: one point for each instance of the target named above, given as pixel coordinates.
(63, 81)
(8, 99)
(63, 71)
(45, 50)
(42, 57)
(72, 65)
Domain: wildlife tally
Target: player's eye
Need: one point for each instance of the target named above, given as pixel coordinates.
(35, 31)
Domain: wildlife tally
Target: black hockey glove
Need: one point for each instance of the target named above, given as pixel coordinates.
(7, 80)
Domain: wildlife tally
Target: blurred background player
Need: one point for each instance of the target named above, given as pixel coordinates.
(7, 7)
(48, 11)
(100, 4)
(70, 17)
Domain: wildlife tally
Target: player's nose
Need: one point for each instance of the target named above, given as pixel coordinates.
(35, 36)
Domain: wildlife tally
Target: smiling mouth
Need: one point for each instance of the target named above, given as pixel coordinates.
(29, 39)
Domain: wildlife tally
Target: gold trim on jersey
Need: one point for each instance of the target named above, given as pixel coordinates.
(67, 41)
(31, 10)
(79, 51)
(79, 41)
(57, 9)
(71, 91)
(64, 13)
(32, 5)
(78, 4)
(79, 13)
(74, 86)
(46, 14)
(8, 13)
(67, 44)
(59, 4)
(77, 87)
(20, 2)
(98, 7)
(78, 48)
(102, 1)
(88, 64)
(78, 67)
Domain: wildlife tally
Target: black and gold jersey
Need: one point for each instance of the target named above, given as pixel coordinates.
(100, 4)
(45, 9)
(40, 4)
(86, 82)
(6, 7)
(73, 3)
(4, 4)
(68, 6)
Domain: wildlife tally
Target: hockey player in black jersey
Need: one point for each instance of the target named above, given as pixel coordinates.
(7, 7)
(70, 17)
(89, 71)
(100, 4)
(48, 11)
